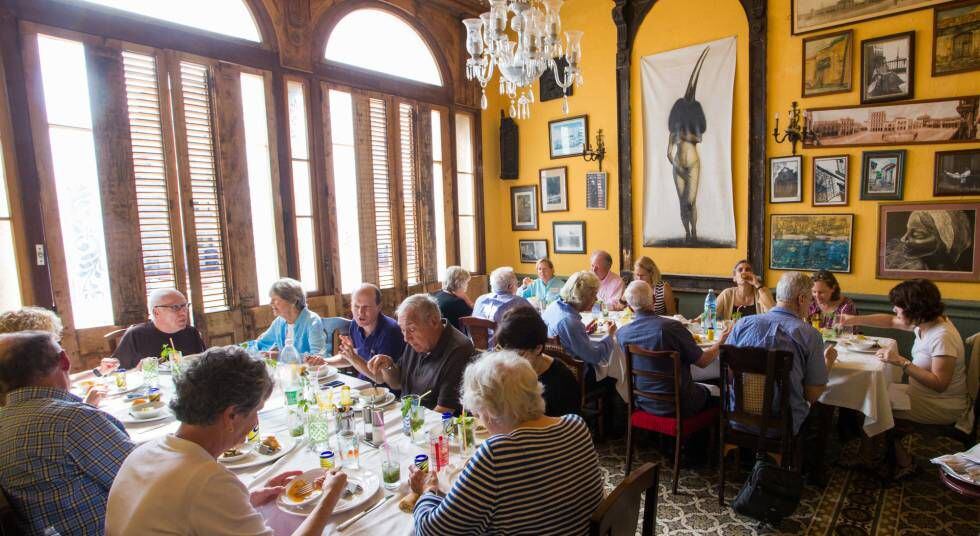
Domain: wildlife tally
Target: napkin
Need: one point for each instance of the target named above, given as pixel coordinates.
(407, 504)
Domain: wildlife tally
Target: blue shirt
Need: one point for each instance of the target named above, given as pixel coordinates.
(565, 322)
(493, 306)
(58, 457)
(780, 329)
(386, 339)
(544, 292)
(308, 337)
(652, 332)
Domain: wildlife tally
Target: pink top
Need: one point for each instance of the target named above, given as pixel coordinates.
(611, 289)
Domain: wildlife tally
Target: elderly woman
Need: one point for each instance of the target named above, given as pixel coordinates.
(175, 485)
(937, 370)
(452, 299)
(545, 288)
(564, 319)
(644, 269)
(295, 323)
(828, 304)
(534, 475)
(748, 297)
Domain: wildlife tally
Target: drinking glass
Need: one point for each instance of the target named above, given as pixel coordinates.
(417, 421)
(408, 402)
(151, 371)
(391, 467)
(350, 450)
(318, 430)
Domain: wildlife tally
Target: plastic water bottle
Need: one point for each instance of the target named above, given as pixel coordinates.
(289, 363)
(710, 310)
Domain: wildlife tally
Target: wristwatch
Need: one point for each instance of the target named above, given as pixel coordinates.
(905, 366)
(96, 372)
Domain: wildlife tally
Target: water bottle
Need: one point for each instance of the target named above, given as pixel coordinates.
(710, 309)
(289, 364)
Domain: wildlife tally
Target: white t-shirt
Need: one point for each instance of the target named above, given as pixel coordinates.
(928, 406)
(173, 486)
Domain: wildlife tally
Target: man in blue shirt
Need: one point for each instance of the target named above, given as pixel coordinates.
(372, 332)
(58, 455)
(502, 296)
(783, 328)
(564, 320)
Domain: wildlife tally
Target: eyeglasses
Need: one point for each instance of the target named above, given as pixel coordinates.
(175, 308)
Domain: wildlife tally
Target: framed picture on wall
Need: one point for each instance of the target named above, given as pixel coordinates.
(811, 242)
(954, 38)
(888, 68)
(554, 189)
(882, 174)
(830, 180)
(533, 250)
(523, 208)
(937, 241)
(595, 190)
(567, 137)
(812, 15)
(785, 175)
(569, 236)
(957, 173)
(827, 62)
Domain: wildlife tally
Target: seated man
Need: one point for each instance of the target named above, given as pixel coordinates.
(564, 321)
(58, 455)
(502, 296)
(371, 332)
(783, 328)
(610, 284)
(168, 324)
(651, 331)
(434, 359)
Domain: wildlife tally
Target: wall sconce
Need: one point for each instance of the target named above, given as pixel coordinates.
(597, 154)
(794, 133)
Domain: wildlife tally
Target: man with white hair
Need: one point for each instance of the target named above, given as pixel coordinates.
(502, 296)
(168, 324)
(610, 284)
(783, 328)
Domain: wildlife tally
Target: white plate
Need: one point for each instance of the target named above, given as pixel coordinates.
(388, 399)
(324, 372)
(256, 458)
(129, 418)
(283, 500)
(368, 480)
(245, 451)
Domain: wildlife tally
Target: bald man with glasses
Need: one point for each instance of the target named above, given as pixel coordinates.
(169, 321)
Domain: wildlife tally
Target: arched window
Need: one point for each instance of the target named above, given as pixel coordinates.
(225, 17)
(377, 40)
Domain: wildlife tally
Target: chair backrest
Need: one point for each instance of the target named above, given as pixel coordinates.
(579, 368)
(618, 513)
(669, 370)
(750, 380)
(972, 350)
(113, 338)
(333, 327)
(479, 330)
(8, 517)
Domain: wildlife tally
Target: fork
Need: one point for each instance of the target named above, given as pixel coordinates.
(305, 489)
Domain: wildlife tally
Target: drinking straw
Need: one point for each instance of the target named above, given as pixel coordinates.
(423, 395)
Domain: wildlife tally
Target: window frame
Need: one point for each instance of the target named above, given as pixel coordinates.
(8, 159)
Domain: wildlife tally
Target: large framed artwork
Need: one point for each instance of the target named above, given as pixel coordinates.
(937, 241)
(882, 174)
(785, 179)
(951, 120)
(812, 15)
(957, 173)
(687, 126)
(955, 38)
(811, 242)
(567, 137)
(888, 68)
(830, 180)
(569, 236)
(554, 189)
(827, 63)
(533, 250)
(523, 208)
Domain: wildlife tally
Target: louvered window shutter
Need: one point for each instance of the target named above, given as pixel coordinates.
(382, 193)
(406, 122)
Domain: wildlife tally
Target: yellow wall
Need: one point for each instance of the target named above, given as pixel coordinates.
(662, 30)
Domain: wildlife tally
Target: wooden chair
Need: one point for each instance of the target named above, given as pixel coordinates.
(751, 378)
(9, 525)
(678, 428)
(479, 330)
(618, 513)
(113, 338)
(590, 401)
(333, 327)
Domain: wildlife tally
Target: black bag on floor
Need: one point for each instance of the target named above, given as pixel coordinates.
(770, 493)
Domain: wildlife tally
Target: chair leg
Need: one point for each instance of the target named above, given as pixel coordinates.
(629, 448)
(721, 473)
(600, 426)
(677, 463)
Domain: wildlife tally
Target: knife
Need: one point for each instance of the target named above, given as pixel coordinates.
(354, 519)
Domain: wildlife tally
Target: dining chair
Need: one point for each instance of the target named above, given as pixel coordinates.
(333, 327)
(590, 402)
(479, 330)
(8, 517)
(748, 397)
(619, 512)
(664, 367)
(113, 338)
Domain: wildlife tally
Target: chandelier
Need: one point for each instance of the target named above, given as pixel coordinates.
(537, 27)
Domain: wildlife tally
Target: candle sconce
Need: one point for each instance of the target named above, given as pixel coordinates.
(597, 154)
(796, 131)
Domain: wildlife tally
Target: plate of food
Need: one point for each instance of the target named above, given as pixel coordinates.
(302, 494)
(235, 453)
(378, 396)
(323, 372)
(861, 343)
(269, 449)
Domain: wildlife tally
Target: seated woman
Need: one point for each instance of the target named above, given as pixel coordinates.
(453, 301)
(534, 475)
(828, 304)
(644, 269)
(748, 297)
(564, 319)
(545, 288)
(175, 485)
(295, 323)
(937, 370)
(521, 330)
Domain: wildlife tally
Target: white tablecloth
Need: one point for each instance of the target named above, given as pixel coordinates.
(860, 381)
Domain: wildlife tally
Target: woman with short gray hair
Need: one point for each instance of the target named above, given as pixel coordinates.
(553, 454)
(295, 323)
(453, 301)
(176, 484)
(564, 319)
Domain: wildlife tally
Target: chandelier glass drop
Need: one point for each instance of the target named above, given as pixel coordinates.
(536, 24)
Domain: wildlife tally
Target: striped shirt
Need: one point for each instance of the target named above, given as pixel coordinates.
(530, 481)
(659, 306)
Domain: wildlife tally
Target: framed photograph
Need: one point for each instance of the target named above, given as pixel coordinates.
(955, 47)
(569, 236)
(811, 242)
(813, 15)
(937, 241)
(827, 62)
(523, 208)
(957, 173)
(548, 88)
(949, 120)
(887, 68)
(785, 174)
(595, 190)
(830, 180)
(533, 250)
(566, 137)
(554, 189)
(882, 174)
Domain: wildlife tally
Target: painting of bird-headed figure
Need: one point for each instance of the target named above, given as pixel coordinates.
(687, 131)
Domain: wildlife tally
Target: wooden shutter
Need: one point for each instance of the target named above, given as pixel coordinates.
(382, 193)
(424, 196)
(406, 139)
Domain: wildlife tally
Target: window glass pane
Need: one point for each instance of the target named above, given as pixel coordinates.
(438, 193)
(10, 297)
(464, 143)
(260, 183)
(379, 41)
(226, 17)
(341, 118)
(4, 205)
(301, 188)
(66, 99)
(297, 121)
(345, 187)
(464, 185)
(467, 242)
(307, 254)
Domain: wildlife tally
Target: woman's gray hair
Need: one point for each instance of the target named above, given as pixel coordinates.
(580, 287)
(220, 378)
(792, 285)
(502, 279)
(456, 279)
(502, 386)
(31, 319)
(420, 307)
(639, 296)
(290, 290)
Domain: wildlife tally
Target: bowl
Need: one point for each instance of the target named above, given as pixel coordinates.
(864, 344)
(288, 496)
(374, 394)
(148, 410)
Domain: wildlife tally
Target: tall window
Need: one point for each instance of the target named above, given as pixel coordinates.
(438, 193)
(302, 188)
(10, 297)
(406, 137)
(345, 187)
(382, 193)
(466, 188)
(226, 17)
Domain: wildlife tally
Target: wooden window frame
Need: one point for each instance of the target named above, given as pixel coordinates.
(13, 193)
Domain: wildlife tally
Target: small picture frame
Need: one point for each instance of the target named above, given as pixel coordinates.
(533, 250)
(830, 180)
(595, 190)
(567, 137)
(827, 62)
(882, 175)
(954, 38)
(569, 236)
(888, 68)
(785, 182)
(554, 189)
(957, 173)
(524, 208)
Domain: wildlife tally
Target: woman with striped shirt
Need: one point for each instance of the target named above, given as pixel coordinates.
(646, 270)
(534, 475)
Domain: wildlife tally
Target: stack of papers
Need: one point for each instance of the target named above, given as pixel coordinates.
(964, 466)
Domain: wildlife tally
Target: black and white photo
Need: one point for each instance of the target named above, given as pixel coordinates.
(533, 250)
(785, 174)
(931, 240)
(567, 137)
(554, 189)
(524, 208)
(957, 173)
(882, 174)
(830, 180)
(569, 236)
(595, 190)
(888, 68)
